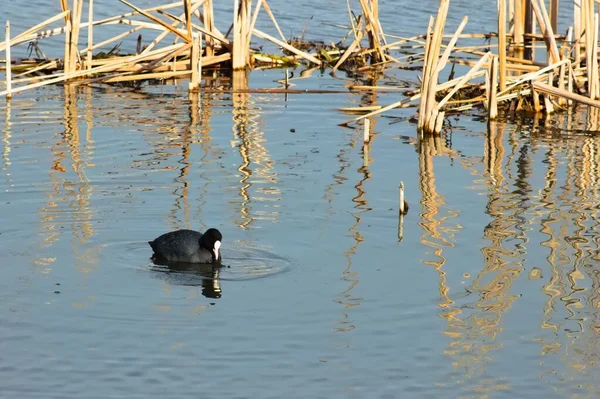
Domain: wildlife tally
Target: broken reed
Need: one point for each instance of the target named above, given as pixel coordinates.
(193, 29)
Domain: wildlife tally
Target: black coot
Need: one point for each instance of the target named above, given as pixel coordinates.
(188, 246)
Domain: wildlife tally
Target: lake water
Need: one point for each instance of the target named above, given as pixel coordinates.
(490, 288)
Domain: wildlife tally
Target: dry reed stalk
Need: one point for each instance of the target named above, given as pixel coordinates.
(26, 36)
(543, 20)
(188, 19)
(493, 101)
(427, 120)
(268, 10)
(544, 88)
(518, 25)
(50, 65)
(512, 59)
(376, 88)
(90, 33)
(360, 109)
(439, 123)
(237, 57)
(348, 51)
(367, 130)
(115, 18)
(444, 59)
(146, 76)
(531, 76)
(570, 81)
(547, 102)
(252, 23)
(537, 107)
(111, 40)
(193, 8)
(509, 67)
(502, 43)
(577, 28)
(209, 24)
(595, 77)
(74, 40)
(373, 31)
(182, 68)
(463, 80)
(195, 65)
(554, 14)
(425, 77)
(103, 69)
(156, 20)
(561, 83)
(286, 46)
(67, 57)
(8, 62)
(399, 104)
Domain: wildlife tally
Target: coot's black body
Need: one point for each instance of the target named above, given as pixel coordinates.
(188, 246)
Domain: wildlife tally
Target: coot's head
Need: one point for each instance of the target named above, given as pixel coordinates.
(211, 240)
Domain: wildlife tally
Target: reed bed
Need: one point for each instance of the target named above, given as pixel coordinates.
(184, 39)
(502, 71)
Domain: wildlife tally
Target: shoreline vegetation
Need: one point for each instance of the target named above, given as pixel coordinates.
(505, 74)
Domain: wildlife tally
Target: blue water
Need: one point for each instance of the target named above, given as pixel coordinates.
(487, 288)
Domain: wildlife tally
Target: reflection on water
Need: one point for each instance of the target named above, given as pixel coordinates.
(192, 274)
(256, 167)
(501, 244)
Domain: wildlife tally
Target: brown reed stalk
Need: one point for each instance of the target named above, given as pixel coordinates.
(252, 23)
(157, 20)
(74, 40)
(195, 65)
(8, 62)
(26, 35)
(111, 66)
(596, 77)
(463, 80)
(237, 57)
(493, 101)
(67, 57)
(188, 19)
(547, 102)
(502, 43)
(286, 46)
(518, 25)
(554, 15)
(373, 31)
(90, 33)
(577, 28)
(571, 96)
(428, 120)
(268, 10)
(537, 107)
(546, 28)
(209, 25)
(423, 109)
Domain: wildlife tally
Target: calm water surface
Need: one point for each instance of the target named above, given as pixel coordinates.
(489, 288)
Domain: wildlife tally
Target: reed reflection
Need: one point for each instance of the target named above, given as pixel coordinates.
(74, 193)
(6, 140)
(347, 298)
(256, 167)
(571, 309)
